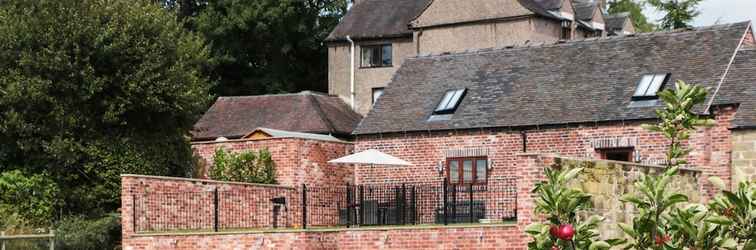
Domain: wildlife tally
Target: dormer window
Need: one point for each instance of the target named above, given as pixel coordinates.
(450, 101)
(566, 32)
(649, 86)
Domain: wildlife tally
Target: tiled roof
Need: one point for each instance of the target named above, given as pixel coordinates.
(585, 81)
(374, 19)
(308, 112)
(584, 9)
(740, 87)
(378, 19)
(616, 21)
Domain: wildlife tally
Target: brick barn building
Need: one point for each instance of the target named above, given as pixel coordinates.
(467, 116)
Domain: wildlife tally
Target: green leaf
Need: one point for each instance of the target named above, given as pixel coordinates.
(536, 228)
(719, 220)
(628, 230)
(599, 245)
(571, 174)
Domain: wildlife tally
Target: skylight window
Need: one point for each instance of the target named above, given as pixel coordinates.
(649, 85)
(450, 101)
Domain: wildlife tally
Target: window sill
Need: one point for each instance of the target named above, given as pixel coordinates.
(376, 67)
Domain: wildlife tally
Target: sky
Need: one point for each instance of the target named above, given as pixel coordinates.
(717, 11)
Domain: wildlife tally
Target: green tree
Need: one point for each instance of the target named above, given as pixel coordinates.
(560, 205)
(91, 89)
(33, 198)
(677, 13)
(660, 224)
(635, 9)
(252, 167)
(269, 46)
(678, 119)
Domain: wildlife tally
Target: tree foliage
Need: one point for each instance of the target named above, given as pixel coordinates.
(678, 119)
(561, 205)
(33, 198)
(661, 223)
(736, 211)
(677, 13)
(635, 8)
(268, 46)
(252, 167)
(91, 89)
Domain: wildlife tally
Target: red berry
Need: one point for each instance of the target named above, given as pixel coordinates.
(566, 232)
(555, 247)
(554, 231)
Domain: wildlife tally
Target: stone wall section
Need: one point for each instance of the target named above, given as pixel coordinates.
(365, 79)
(608, 181)
(744, 155)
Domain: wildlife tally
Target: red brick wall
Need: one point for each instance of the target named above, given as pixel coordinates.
(165, 204)
(498, 237)
(297, 161)
(711, 148)
(749, 39)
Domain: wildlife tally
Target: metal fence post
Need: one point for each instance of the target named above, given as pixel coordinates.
(52, 239)
(348, 206)
(454, 202)
(362, 203)
(304, 206)
(404, 204)
(414, 206)
(134, 213)
(446, 212)
(472, 214)
(215, 205)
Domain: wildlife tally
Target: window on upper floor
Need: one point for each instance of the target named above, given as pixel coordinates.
(566, 33)
(377, 92)
(649, 86)
(450, 101)
(376, 56)
(467, 170)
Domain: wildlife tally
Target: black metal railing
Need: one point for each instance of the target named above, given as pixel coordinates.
(305, 206)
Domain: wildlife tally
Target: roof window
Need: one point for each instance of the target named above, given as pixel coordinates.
(450, 101)
(649, 85)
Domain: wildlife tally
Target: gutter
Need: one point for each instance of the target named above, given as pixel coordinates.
(351, 72)
(727, 70)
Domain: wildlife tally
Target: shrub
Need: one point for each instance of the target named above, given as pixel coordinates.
(32, 197)
(81, 233)
(252, 167)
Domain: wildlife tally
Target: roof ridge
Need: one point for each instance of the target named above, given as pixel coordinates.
(305, 92)
(528, 45)
(323, 116)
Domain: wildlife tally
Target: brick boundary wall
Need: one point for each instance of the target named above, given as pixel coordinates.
(483, 237)
(298, 161)
(529, 169)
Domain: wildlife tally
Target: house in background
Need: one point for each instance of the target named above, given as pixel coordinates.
(619, 24)
(376, 36)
